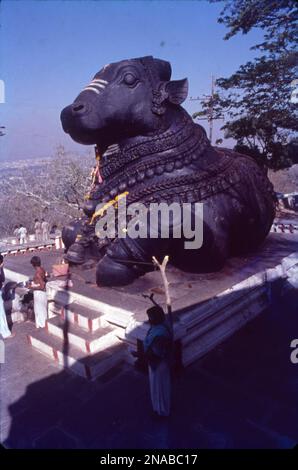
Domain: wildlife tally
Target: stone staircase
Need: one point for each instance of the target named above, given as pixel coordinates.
(80, 339)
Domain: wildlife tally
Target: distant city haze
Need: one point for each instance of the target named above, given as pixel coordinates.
(50, 50)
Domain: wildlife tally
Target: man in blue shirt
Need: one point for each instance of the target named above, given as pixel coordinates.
(158, 346)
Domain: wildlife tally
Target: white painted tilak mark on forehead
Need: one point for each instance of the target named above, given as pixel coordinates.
(99, 85)
(96, 85)
(100, 80)
(90, 88)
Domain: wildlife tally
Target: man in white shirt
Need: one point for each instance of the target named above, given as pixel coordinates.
(37, 229)
(22, 234)
(45, 229)
(4, 330)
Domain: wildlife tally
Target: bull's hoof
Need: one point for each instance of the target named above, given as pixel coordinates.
(112, 273)
(76, 254)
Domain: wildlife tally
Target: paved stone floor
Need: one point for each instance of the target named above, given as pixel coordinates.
(244, 394)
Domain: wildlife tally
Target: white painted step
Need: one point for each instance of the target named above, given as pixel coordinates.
(86, 341)
(87, 366)
(87, 318)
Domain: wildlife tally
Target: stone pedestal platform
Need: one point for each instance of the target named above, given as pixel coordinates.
(92, 329)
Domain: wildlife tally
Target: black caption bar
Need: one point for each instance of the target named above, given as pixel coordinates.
(125, 458)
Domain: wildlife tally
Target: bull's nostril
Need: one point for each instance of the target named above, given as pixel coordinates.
(78, 107)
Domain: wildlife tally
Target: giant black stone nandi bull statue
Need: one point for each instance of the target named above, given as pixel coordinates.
(151, 148)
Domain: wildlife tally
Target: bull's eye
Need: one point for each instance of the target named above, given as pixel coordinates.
(129, 79)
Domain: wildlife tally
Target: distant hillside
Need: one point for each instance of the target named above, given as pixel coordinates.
(17, 167)
(23, 163)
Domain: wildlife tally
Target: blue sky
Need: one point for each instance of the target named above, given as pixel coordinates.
(50, 49)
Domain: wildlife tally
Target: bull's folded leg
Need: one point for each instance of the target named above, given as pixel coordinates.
(127, 259)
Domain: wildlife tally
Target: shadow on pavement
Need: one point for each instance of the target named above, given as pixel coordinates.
(244, 394)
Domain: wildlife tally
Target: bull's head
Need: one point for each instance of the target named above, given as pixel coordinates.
(124, 99)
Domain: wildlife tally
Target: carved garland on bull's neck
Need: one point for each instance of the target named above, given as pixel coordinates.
(179, 139)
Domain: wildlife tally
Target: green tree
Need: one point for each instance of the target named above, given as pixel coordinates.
(256, 99)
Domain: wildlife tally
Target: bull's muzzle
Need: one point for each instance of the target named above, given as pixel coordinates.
(70, 114)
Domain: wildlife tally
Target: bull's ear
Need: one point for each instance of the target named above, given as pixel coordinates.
(177, 90)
